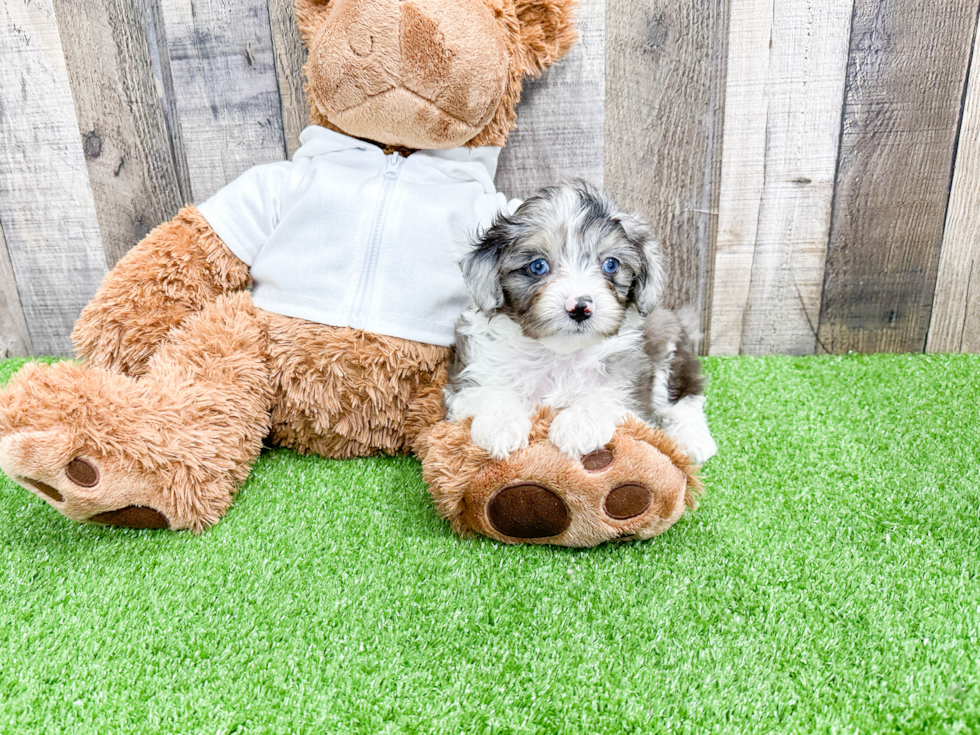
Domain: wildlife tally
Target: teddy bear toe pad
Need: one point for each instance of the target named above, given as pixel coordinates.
(627, 501)
(597, 460)
(82, 472)
(43, 488)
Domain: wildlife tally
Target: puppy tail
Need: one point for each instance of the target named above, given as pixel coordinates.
(679, 327)
(690, 322)
(671, 342)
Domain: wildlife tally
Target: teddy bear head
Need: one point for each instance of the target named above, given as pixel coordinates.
(427, 73)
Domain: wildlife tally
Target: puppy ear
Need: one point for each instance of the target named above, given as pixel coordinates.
(480, 275)
(648, 285)
(547, 32)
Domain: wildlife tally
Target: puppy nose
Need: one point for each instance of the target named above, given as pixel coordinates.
(579, 308)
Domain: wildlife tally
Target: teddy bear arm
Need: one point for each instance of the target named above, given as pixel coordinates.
(174, 272)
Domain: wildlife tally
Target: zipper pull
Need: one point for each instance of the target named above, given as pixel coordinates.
(394, 161)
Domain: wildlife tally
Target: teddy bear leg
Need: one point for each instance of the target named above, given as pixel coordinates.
(167, 450)
(178, 269)
(636, 487)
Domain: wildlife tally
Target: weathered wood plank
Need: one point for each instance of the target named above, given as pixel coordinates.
(905, 82)
(808, 64)
(955, 322)
(560, 119)
(46, 206)
(773, 234)
(290, 56)
(124, 134)
(742, 170)
(665, 64)
(163, 79)
(14, 337)
(225, 93)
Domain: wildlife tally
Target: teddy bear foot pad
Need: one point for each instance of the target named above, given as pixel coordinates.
(84, 475)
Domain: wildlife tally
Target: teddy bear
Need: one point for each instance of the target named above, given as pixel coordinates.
(310, 303)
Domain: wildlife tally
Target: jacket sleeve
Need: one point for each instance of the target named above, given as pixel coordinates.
(245, 212)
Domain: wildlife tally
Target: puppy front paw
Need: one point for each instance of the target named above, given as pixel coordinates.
(696, 441)
(577, 431)
(501, 435)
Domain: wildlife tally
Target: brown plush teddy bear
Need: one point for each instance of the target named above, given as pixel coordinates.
(341, 345)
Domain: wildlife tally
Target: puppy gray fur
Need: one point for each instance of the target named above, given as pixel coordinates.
(565, 314)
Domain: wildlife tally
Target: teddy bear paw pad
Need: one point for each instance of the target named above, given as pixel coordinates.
(80, 487)
(45, 488)
(598, 460)
(132, 516)
(82, 472)
(528, 510)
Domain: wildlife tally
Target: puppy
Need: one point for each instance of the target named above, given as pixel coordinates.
(564, 314)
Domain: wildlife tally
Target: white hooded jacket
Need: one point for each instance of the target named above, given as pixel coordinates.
(347, 236)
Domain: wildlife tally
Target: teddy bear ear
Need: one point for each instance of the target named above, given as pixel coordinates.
(547, 32)
(309, 18)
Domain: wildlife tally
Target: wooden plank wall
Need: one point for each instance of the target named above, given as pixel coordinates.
(906, 78)
(782, 122)
(47, 211)
(665, 63)
(560, 119)
(810, 166)
(955, 324)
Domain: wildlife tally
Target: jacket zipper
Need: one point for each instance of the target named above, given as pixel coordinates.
(368, 272)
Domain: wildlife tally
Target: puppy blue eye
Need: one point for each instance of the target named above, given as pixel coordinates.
(539, 267)
(610, 265)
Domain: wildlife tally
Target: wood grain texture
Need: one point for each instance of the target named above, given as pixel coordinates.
(955, 319)
(124, 134)
(747, 91)
(46, 207)
(15, 340)
(560, 118)
(778, 174)
(665, 70)
(905, 84)
(807, 69)
(225, 94)
(164, 81)
(290, 56)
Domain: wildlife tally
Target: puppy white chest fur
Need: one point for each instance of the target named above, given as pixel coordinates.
(508, 374)
(501, 357)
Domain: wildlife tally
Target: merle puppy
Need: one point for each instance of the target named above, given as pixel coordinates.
(565, 293)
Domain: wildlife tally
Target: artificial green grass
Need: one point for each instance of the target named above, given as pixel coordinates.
(828, 583)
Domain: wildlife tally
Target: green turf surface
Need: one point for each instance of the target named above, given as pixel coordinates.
(828, 583)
